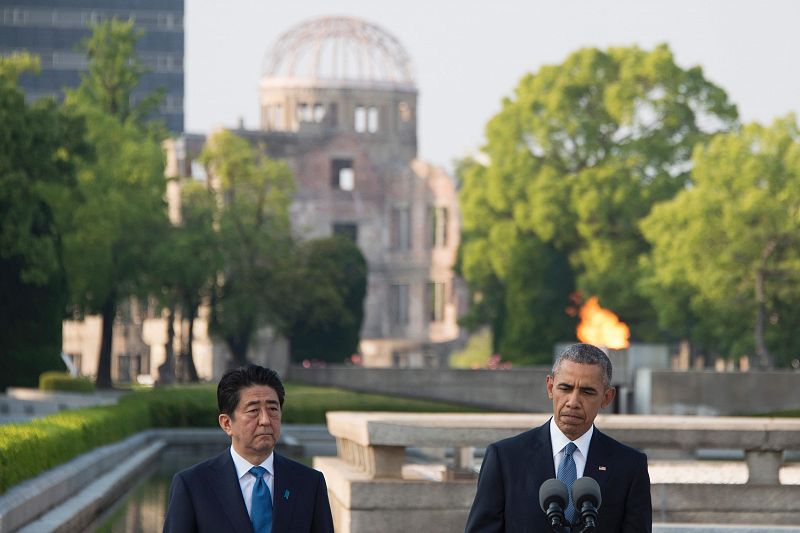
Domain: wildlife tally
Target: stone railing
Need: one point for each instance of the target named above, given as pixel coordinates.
(369, 483)
(376, 442)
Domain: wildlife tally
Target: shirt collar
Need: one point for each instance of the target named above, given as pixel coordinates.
(243, 466)
(559, 440)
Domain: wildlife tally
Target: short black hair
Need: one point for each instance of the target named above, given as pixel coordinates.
(587, 354)
(240, 378)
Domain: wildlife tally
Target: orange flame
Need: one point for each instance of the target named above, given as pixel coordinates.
(602, 327)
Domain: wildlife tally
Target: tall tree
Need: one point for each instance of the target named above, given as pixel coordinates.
(330, 286)
(576, 158)
(40, 146)
(114, 71)
(187, 261)
(111, 235)
(729, 246)
(255, 240)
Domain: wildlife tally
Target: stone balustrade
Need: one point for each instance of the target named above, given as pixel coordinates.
(376, 442)
(369, 484)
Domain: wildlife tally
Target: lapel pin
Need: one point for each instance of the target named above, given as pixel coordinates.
(601, 468)
(286, 494)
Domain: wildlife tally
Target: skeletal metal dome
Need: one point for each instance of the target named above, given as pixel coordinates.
(342, 50)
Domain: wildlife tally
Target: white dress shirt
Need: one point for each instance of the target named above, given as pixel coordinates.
(560, 440)
(248, 480)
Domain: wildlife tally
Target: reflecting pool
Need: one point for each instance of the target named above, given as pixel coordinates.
(143, 508)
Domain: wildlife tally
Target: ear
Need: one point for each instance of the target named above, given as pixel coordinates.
(550, 386)
(225, 423)
(608, 396)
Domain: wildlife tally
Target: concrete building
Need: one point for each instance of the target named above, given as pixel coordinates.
(339, 103)
(52, 29)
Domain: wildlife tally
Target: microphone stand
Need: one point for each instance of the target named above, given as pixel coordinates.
(588, 518)
(554, 515)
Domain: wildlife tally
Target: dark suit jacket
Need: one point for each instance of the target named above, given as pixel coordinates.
(513, 470)
(207, 497)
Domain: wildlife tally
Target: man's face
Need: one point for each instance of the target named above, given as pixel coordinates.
(255, 426)
(578, 395)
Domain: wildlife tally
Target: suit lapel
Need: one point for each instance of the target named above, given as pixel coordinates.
(541, 449)
(226, 487)
(539, 464)
(284, 496)
(598, 463)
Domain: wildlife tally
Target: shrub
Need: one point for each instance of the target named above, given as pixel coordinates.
(178, 406)
(307, 404)
(62, 381)
(30, 448)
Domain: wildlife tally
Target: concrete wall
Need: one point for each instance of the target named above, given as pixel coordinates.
(521, 389)
(362, 505)
(715, 393)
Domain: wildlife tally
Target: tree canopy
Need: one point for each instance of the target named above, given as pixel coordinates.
(726, 251)
(121, 213)
(186, 261)
(255, 240)
(573, 161)
(328, 311)
(40, 147)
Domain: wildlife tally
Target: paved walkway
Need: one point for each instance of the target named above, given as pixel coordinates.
(719, 528)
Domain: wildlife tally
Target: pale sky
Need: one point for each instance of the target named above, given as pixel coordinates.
(469, 54)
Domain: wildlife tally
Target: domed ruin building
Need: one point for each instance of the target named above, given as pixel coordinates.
(338, 102)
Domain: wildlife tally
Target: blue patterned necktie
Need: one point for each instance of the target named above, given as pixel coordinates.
(568, 473)
(261, 506)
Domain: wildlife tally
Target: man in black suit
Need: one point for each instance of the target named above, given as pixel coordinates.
(249, 488)
(513, 469)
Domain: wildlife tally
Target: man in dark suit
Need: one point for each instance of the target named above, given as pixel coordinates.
(507, 499)
(248, 488)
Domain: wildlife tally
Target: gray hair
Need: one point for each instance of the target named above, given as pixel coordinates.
(586, 354)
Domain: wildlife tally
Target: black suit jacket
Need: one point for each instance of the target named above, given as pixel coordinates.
(513, 469)
(207, 498)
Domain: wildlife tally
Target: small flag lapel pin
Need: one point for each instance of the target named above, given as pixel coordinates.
(601, 468)
(286, 494)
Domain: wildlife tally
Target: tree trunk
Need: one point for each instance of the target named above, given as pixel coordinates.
(191, 369)
(188, 371)
(762, 353)
(238, 347)
(108, 313)
(166, 372)
(765, 359)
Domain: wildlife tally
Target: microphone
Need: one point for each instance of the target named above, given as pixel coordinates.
(553, 498)
(587, 499)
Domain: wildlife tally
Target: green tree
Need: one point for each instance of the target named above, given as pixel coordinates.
(110, 236)
(40, 145)
(187, 260)
(536, 316)
(575, 159)
(255, 241)
(114, 72)
(328, 308)
(728, 247)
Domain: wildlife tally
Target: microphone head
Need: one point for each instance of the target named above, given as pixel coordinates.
(584, 490)
(553, 491)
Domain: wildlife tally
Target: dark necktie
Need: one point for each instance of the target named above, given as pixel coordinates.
(568, 473)
(261, 506)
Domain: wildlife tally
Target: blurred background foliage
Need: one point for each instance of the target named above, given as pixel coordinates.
(617, 173)
(622, 175)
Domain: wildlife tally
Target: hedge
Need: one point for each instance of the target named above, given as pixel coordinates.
(62, 381)
(33, 447)
(30, 448)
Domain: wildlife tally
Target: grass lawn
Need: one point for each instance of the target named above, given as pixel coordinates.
(307, 404)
